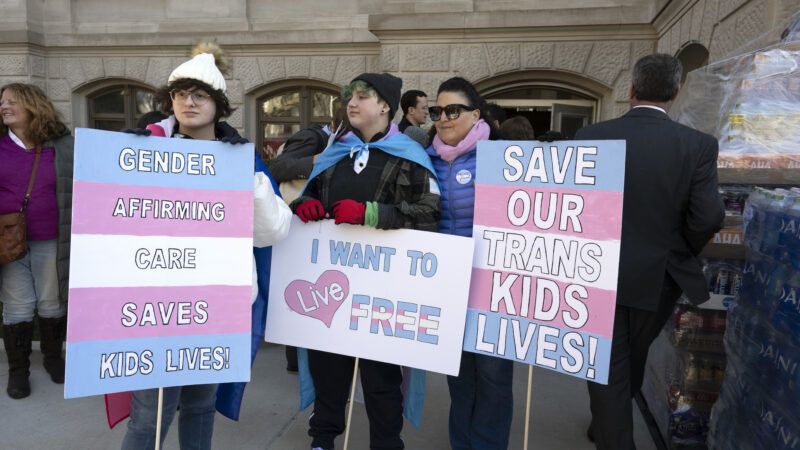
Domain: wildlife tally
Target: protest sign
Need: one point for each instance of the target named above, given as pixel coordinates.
(548, 220)
(161, 263)
(395, 296)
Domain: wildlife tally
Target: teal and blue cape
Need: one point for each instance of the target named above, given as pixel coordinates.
(400, 146)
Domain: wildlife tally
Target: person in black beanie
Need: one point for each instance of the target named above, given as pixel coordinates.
(378, 177)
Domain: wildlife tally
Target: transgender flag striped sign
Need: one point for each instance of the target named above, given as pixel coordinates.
(161, 264)
(548, 220)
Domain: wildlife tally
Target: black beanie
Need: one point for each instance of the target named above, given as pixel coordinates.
(387, 86)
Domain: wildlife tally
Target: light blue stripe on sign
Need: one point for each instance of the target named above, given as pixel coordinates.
(524, 167)
(174, 361)
(566, 344)
(122, 158)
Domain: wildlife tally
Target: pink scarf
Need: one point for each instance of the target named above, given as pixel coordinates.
(479, 132)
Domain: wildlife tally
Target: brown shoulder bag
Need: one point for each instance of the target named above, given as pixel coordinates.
(13, 236)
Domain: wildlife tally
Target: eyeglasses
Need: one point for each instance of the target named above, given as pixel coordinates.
(198, 98)
(451, 111)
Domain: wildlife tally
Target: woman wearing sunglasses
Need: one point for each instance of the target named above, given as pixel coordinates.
(481, 402)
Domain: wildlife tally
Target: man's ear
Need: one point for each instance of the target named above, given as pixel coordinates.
(632, 93)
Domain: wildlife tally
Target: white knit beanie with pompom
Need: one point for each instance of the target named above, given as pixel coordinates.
(202, 67)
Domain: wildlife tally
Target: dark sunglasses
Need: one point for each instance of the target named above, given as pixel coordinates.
(451, 111)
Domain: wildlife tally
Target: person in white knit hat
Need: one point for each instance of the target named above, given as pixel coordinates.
(195, 100)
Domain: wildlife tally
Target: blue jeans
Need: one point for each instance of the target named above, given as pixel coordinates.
(196, 422)
(31, 283)
(481, 403)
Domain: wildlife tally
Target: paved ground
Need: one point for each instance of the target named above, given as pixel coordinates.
(270, 419)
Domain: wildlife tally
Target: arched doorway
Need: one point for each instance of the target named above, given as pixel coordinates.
(549, 100)
(692, 56)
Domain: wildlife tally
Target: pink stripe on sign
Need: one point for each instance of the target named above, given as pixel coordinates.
(124, 313)
(600, 219)
(600, 303)
(102, 208)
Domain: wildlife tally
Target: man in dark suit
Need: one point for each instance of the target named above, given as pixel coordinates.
(671, 210)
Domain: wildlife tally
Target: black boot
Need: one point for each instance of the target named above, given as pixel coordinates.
(17, 340)
(53, 331)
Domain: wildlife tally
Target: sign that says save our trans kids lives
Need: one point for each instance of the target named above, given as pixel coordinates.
(395, 296)
(548, 220)
(161, 264)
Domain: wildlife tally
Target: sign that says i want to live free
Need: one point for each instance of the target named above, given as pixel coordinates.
(396, 296)
(161, 263)
(547, 227)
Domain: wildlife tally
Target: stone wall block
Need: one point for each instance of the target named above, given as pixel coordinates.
(246, 70)
(136, 69)
(686, 28)
(348, 67)
(14, 65)
(697, 19)
(429, 84)
(65, 109)
(641, 49)
(54, 69)
(272, 68)
(158, 70)
(235, 91)
(374, 63)
(726, 7)
(622, 87)
(323, 67)
(114, 66)
(620, 108)
(236, 119)
(537, 55)
(572, 56)
(469, 61)
(73, 72)
(424, 57)
(709, 18)
(608, 58)
(58, 90)
(503, 57)
(675, 39)
(390, 58)
(38, 66)
(93, 68)
(410, 81)
(751, 22)
(297, 66)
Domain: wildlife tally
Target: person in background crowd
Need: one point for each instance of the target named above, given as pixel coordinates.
(32, 131)
(481, 400)
(195, 100)
(496, 115)
(292, 167)
(150, 118)
(389, 184)
(550, 136)
(672, 209)
(414, 106)
(517, 128)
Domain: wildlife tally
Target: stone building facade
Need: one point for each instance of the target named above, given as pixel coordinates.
(525, 54)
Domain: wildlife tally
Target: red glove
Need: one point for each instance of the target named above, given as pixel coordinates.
(349, 211)
(310, 210)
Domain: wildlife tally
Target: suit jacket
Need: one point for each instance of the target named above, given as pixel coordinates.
(672, 206)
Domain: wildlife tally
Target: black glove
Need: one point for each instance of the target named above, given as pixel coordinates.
(235, 140)
(137, 131)
(550, 136)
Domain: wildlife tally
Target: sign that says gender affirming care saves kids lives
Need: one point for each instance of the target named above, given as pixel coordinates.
(548, 220)
(161, 264)
(395, 296)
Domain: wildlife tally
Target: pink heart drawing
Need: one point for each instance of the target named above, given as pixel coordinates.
(319, 300)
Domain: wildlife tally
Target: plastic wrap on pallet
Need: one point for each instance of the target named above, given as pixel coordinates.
(751, 103)
(759, 405)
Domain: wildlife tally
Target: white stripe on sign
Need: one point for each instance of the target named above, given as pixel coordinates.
(118, 261)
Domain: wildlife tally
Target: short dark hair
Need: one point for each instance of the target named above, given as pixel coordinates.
(409, 99)
(517, 128)
(495, 112)
(164, 101)
(458, 84)
(656, 78)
